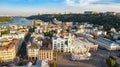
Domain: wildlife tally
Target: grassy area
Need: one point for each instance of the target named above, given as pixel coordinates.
(5, 19)
(54, 64)
(5, 32)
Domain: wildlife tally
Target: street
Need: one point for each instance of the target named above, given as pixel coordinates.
(98, 59)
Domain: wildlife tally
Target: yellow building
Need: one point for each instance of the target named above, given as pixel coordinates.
(37, 22)
(45, 54)
(68, 24)
(5, 43)
(8, 53)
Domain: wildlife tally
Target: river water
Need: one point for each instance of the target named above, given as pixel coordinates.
(17, 21)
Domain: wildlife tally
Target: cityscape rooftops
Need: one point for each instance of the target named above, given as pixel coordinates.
(105, 41)
(33, 46)
(9, 45)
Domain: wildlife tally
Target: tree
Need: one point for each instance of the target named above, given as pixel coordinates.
(5, 32)
(0, 60)
(107, 21)
(50, 33)
(111, 61)
(54, 64)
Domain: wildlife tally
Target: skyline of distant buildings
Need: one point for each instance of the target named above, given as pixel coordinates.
(83, 12)
(30, 7)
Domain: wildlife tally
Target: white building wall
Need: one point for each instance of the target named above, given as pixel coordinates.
(61, 44)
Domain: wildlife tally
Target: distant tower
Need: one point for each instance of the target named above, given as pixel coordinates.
(38, 14)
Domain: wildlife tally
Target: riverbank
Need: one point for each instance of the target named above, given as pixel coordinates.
(17, 21)
(5, 19)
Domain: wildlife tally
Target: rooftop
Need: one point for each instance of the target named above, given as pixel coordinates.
(10, 45)
(105, 41)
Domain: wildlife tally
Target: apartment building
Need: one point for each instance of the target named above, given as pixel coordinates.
(40, 49)
(45, 54)
(32, 51)
(61, 44)
(8, 50)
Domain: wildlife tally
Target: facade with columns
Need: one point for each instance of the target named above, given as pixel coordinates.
(69, 44)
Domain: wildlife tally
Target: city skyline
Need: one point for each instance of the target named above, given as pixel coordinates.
(31, 7)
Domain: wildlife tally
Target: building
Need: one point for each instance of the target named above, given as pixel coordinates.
(107, 44)
(68, 44)
(13, 27)
(36, 22)
(16, 33)
(81, 48)
(118, 14)
(45, 54)
(10, 43)
(32, 51)
(90, 12)
(69, 24)
(38, 29)
(40, 49)
(8, 50)
(113, 30)
(118, 42)
(39, 63)
(55, 21)
(83, 42)
(59, 43)
(116, 36)
(99, 33)
(80, 53)
(110, 13)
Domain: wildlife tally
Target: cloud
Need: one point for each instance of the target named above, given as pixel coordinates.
(94, 5)
(89, 2)
(80, 2)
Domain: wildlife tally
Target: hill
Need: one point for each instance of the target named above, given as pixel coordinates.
(108, 21)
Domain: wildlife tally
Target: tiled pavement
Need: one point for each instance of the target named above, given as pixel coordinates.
(98, 59)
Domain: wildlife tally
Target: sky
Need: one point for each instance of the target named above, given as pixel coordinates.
(33, 7)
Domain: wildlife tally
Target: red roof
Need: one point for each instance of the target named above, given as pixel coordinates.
(11, 45)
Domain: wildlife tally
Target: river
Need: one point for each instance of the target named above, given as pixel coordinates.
(17, 21)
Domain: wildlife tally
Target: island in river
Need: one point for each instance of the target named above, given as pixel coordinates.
(5, 19)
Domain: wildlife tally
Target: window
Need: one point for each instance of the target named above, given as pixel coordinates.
(47, 55)
(61, 45)
(58, 44)
(54, 44)
(61, 42)
(66, 42)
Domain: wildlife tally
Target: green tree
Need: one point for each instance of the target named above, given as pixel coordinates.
(111, 61)
(54, 64)
(107, 21)
(5, 32)
(50, 33)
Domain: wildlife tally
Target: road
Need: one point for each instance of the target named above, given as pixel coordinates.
(98, 59)
(23, 51)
